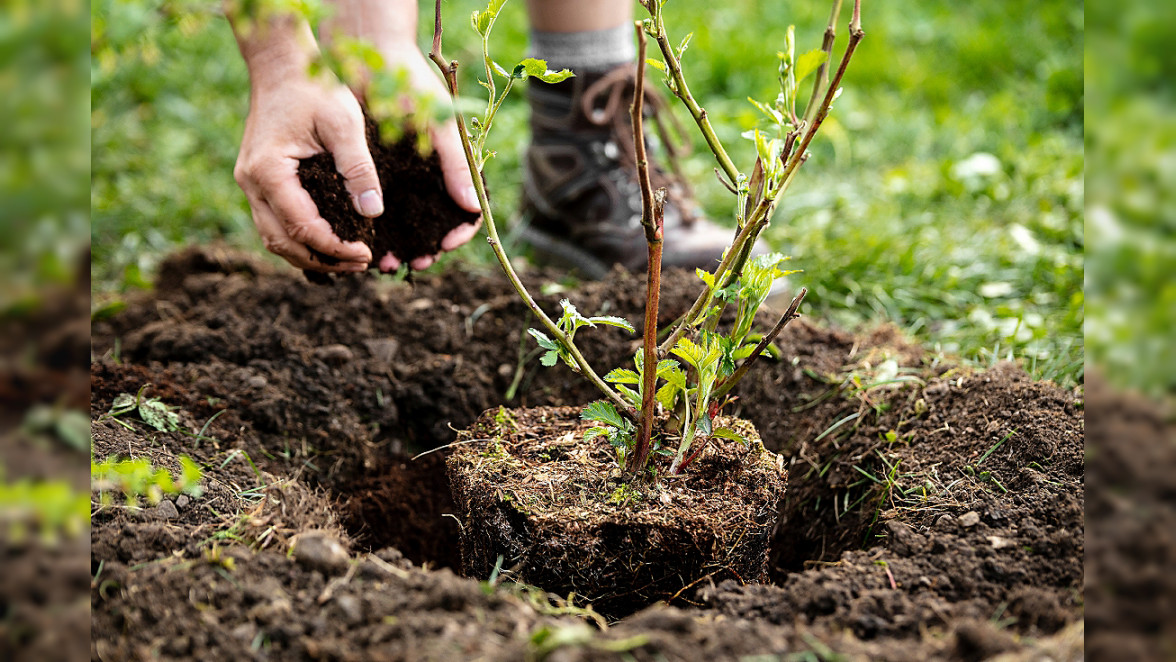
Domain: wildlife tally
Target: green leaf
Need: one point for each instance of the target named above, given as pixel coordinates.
(656, 64)
(534, 68)
(108, 310)
(763, 149)
(603, 411)
(707, 277)
(629, 394)
(597, 431)
(773, 114)
(612, 320)
(728, 293)
(571, 318)
(664, 366)
(543, 340)
(667, 395)
(684, 43)
(728, 433)
(687, 350)
(190, 476)
(743, 352)
(703, 425)
(560, 76)
(808, 63)
(622, 376)
(123, 403)
(549, 358)
(499, 69)
(673, 375)
(73, 427)
(158, 415)
(483, 19)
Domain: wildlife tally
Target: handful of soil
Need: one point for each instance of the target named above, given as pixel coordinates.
(418, 211)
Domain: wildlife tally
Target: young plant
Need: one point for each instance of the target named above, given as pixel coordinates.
(638, 416)
(138, 478)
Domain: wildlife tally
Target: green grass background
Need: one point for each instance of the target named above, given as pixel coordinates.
(890, 220)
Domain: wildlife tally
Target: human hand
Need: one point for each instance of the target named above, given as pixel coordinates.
(444, 139)
(293, 116)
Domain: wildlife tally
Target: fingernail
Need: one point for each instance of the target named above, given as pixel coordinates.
(357, 267)
(470, 198)
(370, 203)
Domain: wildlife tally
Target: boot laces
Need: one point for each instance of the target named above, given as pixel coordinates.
(615, 88)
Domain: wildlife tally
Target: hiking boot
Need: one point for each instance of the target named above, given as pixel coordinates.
(581, 200)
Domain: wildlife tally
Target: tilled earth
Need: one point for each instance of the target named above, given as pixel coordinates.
(933, 512)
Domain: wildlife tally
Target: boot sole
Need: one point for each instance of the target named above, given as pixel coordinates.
(554, 251)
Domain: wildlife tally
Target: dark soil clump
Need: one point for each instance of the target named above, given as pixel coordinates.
(550, 509)
(424, 211)
(937, 517)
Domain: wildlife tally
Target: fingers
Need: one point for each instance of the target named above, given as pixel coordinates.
(460, 235)
(346, 140)
(291, 205)
(389, 263)
(278, 242)
(454, 167)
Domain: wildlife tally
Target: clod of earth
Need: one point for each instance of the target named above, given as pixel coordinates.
(423, 214)
(550, 509)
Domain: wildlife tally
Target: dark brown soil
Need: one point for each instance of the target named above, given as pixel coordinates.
(419, 212)
(1132, 517)
(44, 577)
(547, 508)
(949, 539)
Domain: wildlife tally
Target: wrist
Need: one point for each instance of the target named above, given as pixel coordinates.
(276, 50)
(386, 25)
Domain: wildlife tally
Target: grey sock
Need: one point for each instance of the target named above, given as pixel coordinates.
(591, 51)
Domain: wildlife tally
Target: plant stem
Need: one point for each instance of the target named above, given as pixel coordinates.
(652, 220)
(449, 72)
(728, 269)
(822, 77)
(799, 154)
(741, 372)
(682, 91)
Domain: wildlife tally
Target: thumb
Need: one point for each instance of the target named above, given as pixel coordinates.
(353, 160)
(454, 168)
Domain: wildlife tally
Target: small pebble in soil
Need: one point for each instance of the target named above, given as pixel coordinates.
(383, 350)
(969, 519)
(337, 354)
(321, 551)
(182, 501)
(164, 511)
(998, 542)
(351, 609)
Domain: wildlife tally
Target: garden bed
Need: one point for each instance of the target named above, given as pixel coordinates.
(936, 515)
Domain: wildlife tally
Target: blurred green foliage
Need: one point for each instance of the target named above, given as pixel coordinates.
(1132, 214)
(138, 478)
(945, 195)
(44, 160)
(41, 510)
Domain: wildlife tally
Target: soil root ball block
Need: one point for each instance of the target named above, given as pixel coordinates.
(528, 488)
(418, 210)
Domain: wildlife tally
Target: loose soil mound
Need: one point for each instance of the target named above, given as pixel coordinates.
(934, 517)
